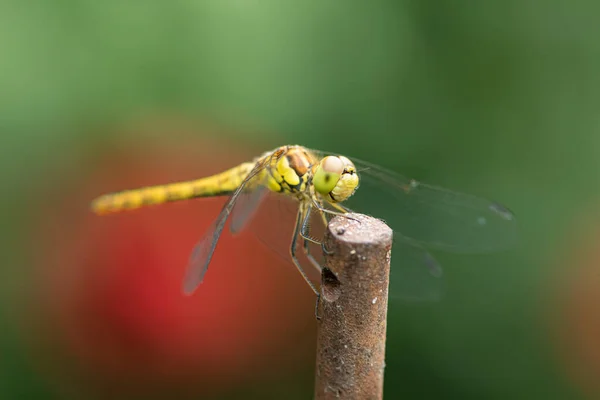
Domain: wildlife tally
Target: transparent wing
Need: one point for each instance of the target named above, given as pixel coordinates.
(273, 226)
(204, 250)
(431, 216)
(416, 275)
(246, 207)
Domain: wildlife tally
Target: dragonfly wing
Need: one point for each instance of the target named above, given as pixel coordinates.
(246, 207)
(273, 226)
(204, 250)
(416, 276)
(442, 219)
(200, 258)
(432, 216)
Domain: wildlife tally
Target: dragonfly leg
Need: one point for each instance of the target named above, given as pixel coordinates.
(325, 249)
(311, 240)
(304, 232)
(325, 222)
(342, 213)
(293, 247)
(317, 316)
(305, 227)
(305, 235)
(341, 208)
(310, 257)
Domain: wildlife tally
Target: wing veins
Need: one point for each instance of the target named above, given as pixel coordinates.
(201, 255)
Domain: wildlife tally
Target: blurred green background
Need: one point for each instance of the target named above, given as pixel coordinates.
(495, 98)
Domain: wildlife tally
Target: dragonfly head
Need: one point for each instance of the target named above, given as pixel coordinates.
(336, 178)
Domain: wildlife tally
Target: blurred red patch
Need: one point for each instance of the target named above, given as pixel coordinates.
(108, 291)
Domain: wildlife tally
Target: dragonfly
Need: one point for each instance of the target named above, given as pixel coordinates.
(322, 185)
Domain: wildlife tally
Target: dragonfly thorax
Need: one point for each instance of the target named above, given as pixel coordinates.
(291, 171)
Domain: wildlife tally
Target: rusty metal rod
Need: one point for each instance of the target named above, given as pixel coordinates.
(353, 309)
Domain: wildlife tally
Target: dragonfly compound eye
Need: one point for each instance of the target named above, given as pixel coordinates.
(328, 174)
(348, 181)
(336, 177)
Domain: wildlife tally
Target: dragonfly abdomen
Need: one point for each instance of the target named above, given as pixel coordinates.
(217, 185)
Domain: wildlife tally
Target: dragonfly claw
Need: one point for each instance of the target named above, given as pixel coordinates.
(317, 316)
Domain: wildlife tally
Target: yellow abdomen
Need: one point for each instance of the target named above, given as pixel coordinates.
(216, 185)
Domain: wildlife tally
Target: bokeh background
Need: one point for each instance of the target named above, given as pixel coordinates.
(495, 98)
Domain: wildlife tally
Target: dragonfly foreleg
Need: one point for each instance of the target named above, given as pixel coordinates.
(340, 207)
(306, 226)
(343, 211)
